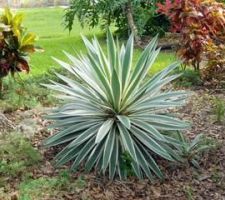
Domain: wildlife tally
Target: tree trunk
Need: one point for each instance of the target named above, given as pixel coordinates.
(131, 23)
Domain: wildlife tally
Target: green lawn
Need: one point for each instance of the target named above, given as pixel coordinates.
(47, 23)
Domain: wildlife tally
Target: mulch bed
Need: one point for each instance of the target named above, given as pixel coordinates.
(181, 182)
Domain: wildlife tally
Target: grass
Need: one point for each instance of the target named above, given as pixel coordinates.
(47, 23)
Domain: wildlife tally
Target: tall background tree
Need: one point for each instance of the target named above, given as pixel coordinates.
(137, 16)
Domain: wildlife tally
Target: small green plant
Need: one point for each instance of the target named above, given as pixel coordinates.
(126, 163)
(189, 78)
(42, 188)
(111, 109)
(191, 150)
(189, 192)
(219, 109)
(17, 155)
(217, 176)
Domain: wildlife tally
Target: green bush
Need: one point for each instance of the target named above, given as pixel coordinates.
(156, 24)
(189, 78)
(113, 12)
(113, 117)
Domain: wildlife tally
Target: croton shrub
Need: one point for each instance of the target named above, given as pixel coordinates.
(15, 44)
(201, 24)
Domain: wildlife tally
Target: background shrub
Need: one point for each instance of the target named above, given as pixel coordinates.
(201, 27)
(15, 44)
(108, 12)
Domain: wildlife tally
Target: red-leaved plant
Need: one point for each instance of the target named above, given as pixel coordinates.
(16, 44)
(201, 24)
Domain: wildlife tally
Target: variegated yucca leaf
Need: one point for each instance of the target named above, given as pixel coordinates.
(112, 108)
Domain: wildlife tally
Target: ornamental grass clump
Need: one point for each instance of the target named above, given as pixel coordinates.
(112, 109)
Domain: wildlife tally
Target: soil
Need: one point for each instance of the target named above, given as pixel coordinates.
(181, 182)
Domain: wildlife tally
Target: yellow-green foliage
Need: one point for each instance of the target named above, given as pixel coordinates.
(15, 43)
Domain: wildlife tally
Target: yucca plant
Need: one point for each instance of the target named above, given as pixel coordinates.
(113, 110)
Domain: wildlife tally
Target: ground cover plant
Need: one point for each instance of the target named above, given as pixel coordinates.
(17, 154)
(50, 188)
(26, 93)
(19, 160)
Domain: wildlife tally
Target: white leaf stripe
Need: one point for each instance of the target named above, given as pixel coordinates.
(127, 141)
(108, 149)
(124, 120)
(103, 130)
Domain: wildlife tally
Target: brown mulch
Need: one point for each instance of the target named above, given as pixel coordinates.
(180, 183)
